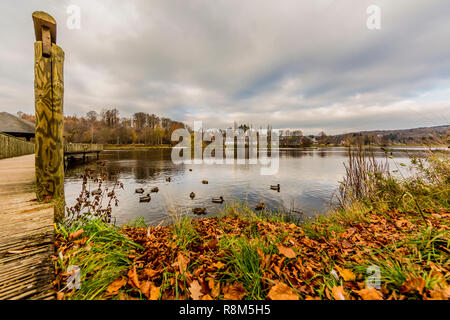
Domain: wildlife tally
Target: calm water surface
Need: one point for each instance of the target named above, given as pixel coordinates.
(308, 179)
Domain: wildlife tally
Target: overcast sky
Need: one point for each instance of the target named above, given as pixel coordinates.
(312, 65)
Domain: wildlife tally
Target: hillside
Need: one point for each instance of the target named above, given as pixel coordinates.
(438, 135)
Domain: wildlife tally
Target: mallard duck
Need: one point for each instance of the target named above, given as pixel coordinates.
(199, 210)
(139, 190)
(146, 198)
(260, 206)
(192, 195)
(218, 200)
(155, 189)
(97, 192)
(205, 181)
(275, 187)
(168, 179)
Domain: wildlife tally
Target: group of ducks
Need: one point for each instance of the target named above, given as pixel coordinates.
(147, 198)
(200, 211)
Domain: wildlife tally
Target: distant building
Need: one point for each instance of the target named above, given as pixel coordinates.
(16, 126)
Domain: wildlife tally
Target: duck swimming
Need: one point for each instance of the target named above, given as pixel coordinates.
(218, 200)
(192, 195)
(205, 181)
(155, 189)
(260, 206)
(275, 187)
(199, 211)
(139, 190)
(168, 179)
(146, 198)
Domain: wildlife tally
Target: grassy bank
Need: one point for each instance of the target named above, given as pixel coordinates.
(242, 255)
(388, 239)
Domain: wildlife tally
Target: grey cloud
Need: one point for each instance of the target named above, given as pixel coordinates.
(311, 65)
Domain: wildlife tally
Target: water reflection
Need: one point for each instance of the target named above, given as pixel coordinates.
(308, 178)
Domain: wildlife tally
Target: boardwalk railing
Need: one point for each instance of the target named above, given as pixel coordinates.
(12, 147)
(74, 148)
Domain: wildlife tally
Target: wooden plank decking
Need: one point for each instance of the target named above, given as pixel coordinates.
(26, 234)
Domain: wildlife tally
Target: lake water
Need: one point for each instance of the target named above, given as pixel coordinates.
(308, 179)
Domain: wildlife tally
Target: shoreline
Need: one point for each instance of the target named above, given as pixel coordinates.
(314, 147)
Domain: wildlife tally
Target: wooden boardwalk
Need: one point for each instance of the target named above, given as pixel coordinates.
(26, 234)
(83, 148)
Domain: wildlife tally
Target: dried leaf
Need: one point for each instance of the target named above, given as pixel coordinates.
(234, 291)
(195, 290)
(440, 294)
(214, 287)
(145, 288)
(218, 265)
(207, 297)
(413, 284)
(348, 275)
(182, 262)
(150, 273)
(369, 294)
(288, 252)
(282, 291)
(260, 253)
(338, 293)
(212, 244)
(75, 235)
(346, 244)
(124, 296)
(133, 278)
(154, 292)
(114, 287)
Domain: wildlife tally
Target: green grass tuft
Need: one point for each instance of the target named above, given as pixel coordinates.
(102, 259)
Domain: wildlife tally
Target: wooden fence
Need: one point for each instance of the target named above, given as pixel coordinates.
(12, 147)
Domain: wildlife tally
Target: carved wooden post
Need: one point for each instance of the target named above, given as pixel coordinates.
(48, 90)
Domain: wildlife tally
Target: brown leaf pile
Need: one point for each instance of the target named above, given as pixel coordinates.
(162, 270)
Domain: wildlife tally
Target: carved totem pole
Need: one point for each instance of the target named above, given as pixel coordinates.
(48, 91)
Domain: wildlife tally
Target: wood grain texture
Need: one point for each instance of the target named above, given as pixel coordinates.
(26, 234)
(43, 19)
(46, 42)
(49, 150)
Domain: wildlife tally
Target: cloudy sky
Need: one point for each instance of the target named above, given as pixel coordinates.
(312, 65)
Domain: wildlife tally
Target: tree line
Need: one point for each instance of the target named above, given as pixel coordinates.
(107, 127)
